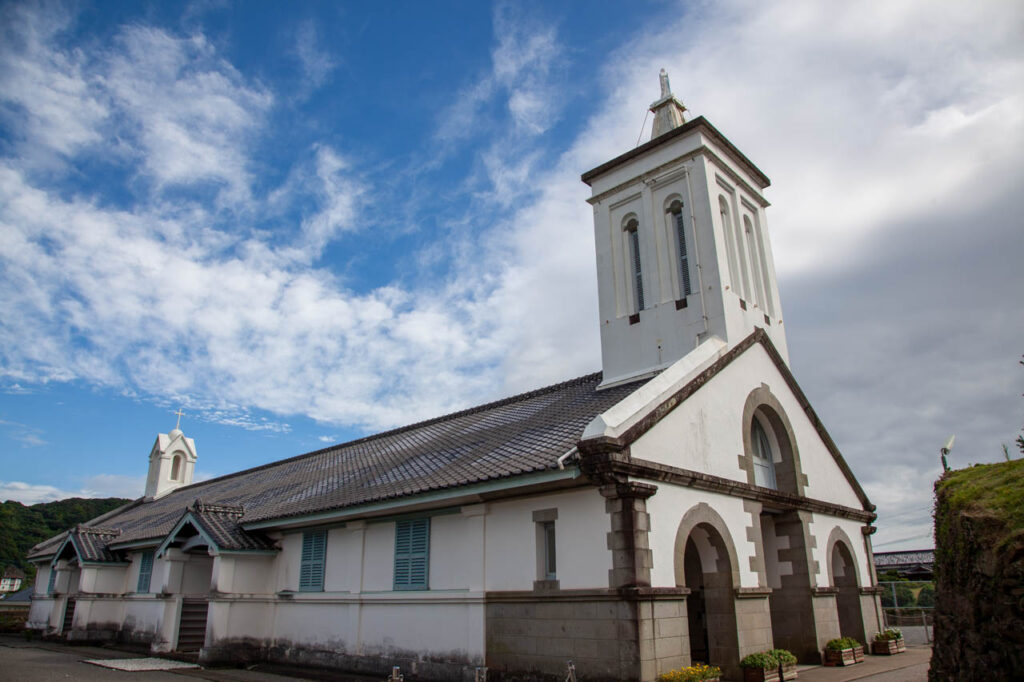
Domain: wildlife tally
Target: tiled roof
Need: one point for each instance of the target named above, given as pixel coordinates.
(519, 435)
(220, 523)
(92, 543)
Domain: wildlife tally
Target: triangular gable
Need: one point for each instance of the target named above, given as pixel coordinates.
(90, 546)
(187, 520)
(217, 527)
(623, 424)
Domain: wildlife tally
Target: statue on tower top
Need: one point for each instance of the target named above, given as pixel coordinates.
(668, 111)
(666, 89)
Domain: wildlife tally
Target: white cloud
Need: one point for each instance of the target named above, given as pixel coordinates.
(28, 436)
(101, 485)
(316, 63)
(46, 94)
(190, 111)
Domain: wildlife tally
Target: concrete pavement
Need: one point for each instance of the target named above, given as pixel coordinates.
(910, 666)
(41, 661)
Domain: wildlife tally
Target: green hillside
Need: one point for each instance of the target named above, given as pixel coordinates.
(22, 527)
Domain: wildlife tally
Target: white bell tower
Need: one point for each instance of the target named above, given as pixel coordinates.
(683, 253)
(172, 462)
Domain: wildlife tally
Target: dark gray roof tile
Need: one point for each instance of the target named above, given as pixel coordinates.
(518, 435)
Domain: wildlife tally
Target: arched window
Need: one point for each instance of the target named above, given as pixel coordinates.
(764, 459)
(763, 253)
(733, 247)
(748, 228)
(675, 211)
(633, 240)
(176, 467)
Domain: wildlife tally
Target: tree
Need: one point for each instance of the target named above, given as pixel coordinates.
(23, 527)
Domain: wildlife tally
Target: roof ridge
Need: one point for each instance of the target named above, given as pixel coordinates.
(97, 530)
(401, 429)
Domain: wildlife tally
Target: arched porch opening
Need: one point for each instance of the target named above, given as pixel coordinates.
(705, 562)
(843, 572)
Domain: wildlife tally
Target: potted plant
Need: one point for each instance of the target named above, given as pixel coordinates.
(843, 651)
(787, 664)
(887, 642)
(698, 672)
(760, 667)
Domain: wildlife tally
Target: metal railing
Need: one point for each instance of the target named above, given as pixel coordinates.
(909, 604)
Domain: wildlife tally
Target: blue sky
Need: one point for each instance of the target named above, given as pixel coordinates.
(305, 222)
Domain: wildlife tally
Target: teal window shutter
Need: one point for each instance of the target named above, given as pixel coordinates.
(314, 553)
(412, 554)
(145, 572)
(53, 580)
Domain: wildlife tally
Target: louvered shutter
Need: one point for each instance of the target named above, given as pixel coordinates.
(412, 554)
(684, 262)
(638, 277)
(53, 580)
(311, 567)
(145, 572)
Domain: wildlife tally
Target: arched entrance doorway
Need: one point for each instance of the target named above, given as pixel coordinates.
(705, 562)
(844, 579)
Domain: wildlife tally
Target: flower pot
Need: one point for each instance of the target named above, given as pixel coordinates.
(888, 647)
(858, 654)
(787, 671)
(760, 675)
(841, 657)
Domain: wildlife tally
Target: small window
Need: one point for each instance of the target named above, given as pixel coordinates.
(730, 243)
(676, 211)
(52, 584)
(748, 228)
(412, 554)
(311, 569)
(548, 564)
(175, 467)
(145, 572)
(764, 462)
(633, 239)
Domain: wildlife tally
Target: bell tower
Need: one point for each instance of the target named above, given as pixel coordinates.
(683, 253)
(172, 462)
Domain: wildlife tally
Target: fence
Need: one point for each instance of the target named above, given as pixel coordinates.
(909, 605)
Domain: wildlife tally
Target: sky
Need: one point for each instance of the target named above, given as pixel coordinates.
(302, 223)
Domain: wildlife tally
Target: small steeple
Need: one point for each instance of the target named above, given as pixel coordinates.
(668, 111)
(172, 462)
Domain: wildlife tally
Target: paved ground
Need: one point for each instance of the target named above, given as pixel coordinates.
(38, 661)
(910, 666)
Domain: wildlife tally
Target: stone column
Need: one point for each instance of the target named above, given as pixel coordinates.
(632, 559)
(792, 603)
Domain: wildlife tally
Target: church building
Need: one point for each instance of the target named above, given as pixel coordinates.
(683, 504)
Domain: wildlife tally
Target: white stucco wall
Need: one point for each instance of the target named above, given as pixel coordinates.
(668, 507)
(196, 575)
(583, 559)
(822, 527)
(705, 432)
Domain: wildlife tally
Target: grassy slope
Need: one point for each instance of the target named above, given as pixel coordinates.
(991, 491)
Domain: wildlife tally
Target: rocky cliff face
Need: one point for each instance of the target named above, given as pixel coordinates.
(979, 574)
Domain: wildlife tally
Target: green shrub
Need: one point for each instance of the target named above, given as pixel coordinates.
(763, 660)
(841, 643)
(926, 597)
(785, 657)
(888, 634)
(904, 595)
(692, 673)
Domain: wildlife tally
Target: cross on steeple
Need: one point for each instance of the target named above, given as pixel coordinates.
(179, 413)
